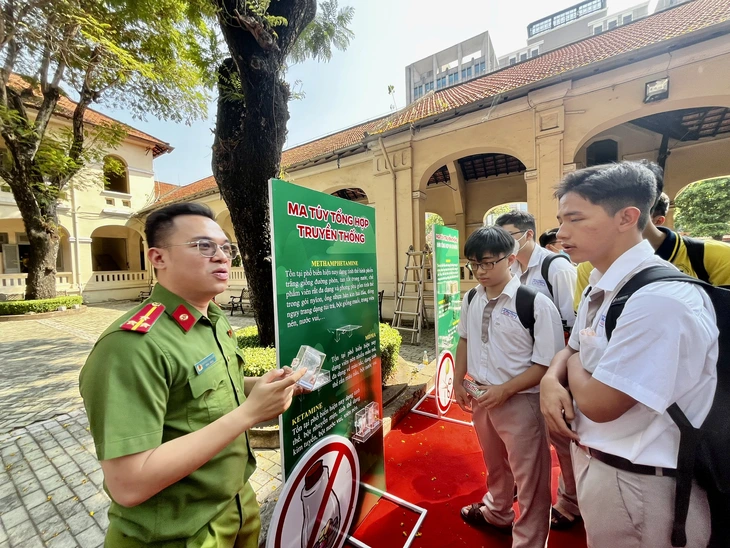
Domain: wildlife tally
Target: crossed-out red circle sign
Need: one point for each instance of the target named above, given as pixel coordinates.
(445, 382)
(317, 505)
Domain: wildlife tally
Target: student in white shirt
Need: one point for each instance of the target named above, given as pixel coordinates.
(500, 354)
(528, 266)
(663, 350)
(562, 278)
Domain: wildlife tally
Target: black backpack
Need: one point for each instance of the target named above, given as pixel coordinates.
(524, 303)
(545, 268)
(704, 452)
(696, 256)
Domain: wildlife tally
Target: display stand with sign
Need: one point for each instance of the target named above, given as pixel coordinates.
(326, 306)
(447, 310)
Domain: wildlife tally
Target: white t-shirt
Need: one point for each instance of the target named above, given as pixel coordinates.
(509, 350)
(561, 275)
(663, 350)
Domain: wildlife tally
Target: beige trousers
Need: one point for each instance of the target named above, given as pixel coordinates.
(567, 496)
(515, 446)
(627, 510)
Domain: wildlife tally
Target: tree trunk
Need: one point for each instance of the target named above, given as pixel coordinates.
(246, 153)
(250, 133)
(41, 228)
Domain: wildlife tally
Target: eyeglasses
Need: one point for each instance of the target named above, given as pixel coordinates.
(209, 248)
(486, 265)
(518, 232)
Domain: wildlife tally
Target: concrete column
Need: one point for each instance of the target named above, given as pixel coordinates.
(435, 70)
(540, 200)
(86, 269)
(418, 219)
(458, 52)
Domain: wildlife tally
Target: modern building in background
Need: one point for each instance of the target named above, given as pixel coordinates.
(464, 61)
(475, 57)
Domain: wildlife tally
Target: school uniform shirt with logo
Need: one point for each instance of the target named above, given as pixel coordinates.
(663, 350)
(510, 349)
(561, 276)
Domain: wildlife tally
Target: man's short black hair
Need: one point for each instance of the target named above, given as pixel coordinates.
(489, 240)
(549, 237)
(521, 219)
(658, 172)
(159, 222)
(661, 206)
(614, 187)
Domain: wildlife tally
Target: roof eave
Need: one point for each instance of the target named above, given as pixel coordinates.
(591, 69)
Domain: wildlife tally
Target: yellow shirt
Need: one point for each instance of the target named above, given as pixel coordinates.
(674, 250)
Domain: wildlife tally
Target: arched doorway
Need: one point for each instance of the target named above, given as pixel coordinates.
(116, 248)
(702, 209)
(462, 190)
(490, 217)
(690, 143)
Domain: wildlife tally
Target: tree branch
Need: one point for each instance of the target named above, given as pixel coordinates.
(298, 13)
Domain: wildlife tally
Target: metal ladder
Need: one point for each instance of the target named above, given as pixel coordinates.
(419, 266)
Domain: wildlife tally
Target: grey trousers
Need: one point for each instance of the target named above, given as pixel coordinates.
(633, 510)
(515, 446)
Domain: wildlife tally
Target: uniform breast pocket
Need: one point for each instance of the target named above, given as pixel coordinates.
(210, 396)
(592, 348)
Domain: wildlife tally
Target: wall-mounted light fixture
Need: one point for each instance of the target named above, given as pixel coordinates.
(656, 90)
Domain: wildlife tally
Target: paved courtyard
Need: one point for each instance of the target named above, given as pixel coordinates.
(51, 490)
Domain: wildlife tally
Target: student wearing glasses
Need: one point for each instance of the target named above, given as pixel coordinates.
(168, 405)
(507, 361)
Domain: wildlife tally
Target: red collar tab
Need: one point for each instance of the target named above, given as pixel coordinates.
(184, 317)
(143, 320)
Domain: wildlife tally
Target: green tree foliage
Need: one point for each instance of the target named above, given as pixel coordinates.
(703, 208)
(432, 219)
(263, 36)
(150, 56)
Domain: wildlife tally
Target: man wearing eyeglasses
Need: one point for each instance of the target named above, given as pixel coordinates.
(168, 405)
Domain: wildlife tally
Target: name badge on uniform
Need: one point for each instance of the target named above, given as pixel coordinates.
(204, 364)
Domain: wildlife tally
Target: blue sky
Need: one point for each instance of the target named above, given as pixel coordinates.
(353, 87)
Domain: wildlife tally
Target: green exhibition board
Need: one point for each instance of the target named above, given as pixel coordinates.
(447, 287)
(326, 296)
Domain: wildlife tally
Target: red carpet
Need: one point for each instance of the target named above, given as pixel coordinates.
(438, 465)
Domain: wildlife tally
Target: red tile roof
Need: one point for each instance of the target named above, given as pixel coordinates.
(683, 19)
(65, 108)
(162, 189)
(193, 189)
(657, 28)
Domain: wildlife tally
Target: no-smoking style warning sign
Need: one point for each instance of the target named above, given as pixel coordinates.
(444, 382)
(317, 505)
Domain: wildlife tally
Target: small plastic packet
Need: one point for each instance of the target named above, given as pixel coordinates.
(312, 360)
(472, 387)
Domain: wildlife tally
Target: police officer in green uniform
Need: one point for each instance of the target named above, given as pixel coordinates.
(168, 405)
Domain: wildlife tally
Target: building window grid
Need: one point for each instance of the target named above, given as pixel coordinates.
(612, 24)
(627, 19)
(564, 17)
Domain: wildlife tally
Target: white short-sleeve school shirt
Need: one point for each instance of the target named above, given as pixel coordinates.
(663, 350)
(510, 349)
(562, 276)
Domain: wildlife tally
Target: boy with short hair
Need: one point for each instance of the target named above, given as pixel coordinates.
(663, 350)
(504, 359)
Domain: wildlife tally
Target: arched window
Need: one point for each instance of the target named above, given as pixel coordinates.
(116, 177)
(602, 152)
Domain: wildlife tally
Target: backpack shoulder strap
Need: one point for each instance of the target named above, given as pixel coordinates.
(470, 296)
(658, 273)
(696, 255)
(545, 269)
(525, 304)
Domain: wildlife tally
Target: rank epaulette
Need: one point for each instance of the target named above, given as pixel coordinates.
(143, 320)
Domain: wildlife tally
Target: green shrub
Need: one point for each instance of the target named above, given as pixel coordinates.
(390, 341)
(248, 337)
(260, 360)
(38, 306)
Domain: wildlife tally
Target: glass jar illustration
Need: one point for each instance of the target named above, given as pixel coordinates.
(327, 529)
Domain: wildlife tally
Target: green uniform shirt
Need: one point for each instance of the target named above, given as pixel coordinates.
(141, 390)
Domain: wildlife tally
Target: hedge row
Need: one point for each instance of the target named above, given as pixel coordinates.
(38, 306)
(260, 360)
